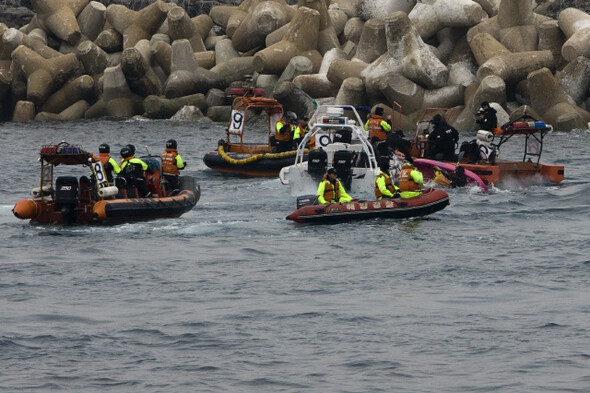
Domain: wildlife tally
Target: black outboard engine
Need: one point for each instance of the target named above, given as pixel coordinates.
(317, 161)
(66, 197)
(343, 160)
(305, 200)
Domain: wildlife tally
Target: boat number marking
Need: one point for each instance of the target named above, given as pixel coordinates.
(98, 171)
(237, 121)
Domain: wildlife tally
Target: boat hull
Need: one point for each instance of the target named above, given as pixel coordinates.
(525, 172)
(46, 211)
(430, 201)
(501, 172)
(250, 165)
(426, 166)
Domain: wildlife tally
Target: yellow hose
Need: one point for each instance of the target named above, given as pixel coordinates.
(255, 157)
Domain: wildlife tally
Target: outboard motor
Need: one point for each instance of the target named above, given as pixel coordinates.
(66, 197)
(305, 200)
(343, 160)
(317, 161)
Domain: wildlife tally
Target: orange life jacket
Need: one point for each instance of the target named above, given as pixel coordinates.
(104, 158)
(283, 134)
(375, 128)
(169, 162)
(331, 193)
(406, 183)
(388, 183)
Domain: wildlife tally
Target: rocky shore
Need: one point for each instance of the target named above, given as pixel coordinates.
(75, 59)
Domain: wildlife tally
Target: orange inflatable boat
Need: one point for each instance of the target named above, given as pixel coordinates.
(86, 200)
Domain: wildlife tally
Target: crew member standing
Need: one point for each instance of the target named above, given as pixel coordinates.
(487, 118)
(133, 170)
(284, 130)
(109, 165)
(171, 165)
(377, 126)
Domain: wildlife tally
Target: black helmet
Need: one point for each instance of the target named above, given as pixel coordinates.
(171, 144)
(131, 148)
(104, 148)
(126, 152)
(379, 111)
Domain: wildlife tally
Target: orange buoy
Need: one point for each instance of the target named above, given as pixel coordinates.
(26, 208)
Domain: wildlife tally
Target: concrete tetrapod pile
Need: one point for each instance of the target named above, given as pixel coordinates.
(81, 59)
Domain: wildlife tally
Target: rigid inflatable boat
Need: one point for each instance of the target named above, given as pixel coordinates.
(236, 156)
(87, 200)
(342, 143)
(482, 155)
(430, 201)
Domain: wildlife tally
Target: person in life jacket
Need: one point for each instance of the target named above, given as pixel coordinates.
(410, 181)
(284, 131)
(171, 164)
(384, 187)
(377, 126)
(331, 190)
(300, 130)
(109, 165)
(132, 170)
(456, 178)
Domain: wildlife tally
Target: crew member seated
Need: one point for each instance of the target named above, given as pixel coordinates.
(410, 181)
(331, 190)
(384, 187)
(442, 140)
(132, 170)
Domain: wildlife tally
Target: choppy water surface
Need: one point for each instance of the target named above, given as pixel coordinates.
(489, 295)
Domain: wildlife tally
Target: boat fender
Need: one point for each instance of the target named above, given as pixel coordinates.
(106, 192)
(37, 192)
(485, 136)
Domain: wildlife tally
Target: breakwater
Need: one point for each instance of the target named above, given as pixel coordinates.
(89, 59)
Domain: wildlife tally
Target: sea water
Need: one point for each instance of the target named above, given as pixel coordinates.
(489, 295)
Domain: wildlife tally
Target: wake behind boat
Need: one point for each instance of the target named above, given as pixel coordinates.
(72, 200)
(430, 201)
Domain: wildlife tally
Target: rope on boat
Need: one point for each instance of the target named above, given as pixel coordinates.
(255, 157)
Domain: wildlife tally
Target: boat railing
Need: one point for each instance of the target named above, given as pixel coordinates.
(330, 119)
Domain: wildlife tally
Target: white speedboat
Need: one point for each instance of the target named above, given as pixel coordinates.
(341, 142)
